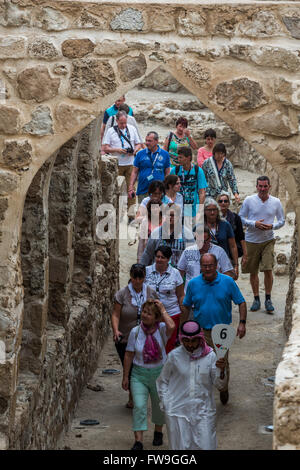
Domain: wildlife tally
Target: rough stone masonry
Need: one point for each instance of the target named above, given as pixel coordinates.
(62, 64)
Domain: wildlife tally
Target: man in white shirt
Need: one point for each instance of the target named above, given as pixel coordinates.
(258, 213)
(130, 120)
(189, 263)
(123, 141)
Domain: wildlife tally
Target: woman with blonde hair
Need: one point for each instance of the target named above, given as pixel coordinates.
(146, 353)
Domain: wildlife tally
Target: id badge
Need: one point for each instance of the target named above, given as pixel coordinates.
(150, 177)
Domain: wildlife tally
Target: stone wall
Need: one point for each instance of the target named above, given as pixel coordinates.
(70, 278)
(62, 64)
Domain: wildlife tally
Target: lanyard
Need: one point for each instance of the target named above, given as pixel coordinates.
(187, 175)
(150, 156)
(139, 301)
(157, 284)
(214, 238)
(122, 138)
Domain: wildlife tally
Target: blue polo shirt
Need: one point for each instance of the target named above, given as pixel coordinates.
(112, 111)
(212, 301)
(151, 167)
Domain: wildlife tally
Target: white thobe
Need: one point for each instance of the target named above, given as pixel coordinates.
(186, 393)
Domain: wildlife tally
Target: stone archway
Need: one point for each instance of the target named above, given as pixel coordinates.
(83, 55)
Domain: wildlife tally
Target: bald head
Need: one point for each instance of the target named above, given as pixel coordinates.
(208, 263)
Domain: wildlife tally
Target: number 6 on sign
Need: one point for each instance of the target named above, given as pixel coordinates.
(222, 336)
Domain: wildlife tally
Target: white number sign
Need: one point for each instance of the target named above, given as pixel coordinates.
(222, 336)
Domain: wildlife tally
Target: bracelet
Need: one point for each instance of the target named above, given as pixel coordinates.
(243, 321)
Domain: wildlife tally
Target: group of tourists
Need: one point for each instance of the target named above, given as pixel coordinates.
(185, 280)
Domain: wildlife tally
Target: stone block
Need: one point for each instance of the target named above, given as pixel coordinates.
(287, 92)
(276, 57)
(42, 48)
(77, 48)
(35, 317)
(91, 78)
(8, 182)
(240, 95)
(128, 20)
(262, 24)
(197, 72)
(52, 20)
(192, 23)
(36, 84)
(162, 21)
(69, 117)
(17, 154)
(12, 15)
(87, 20)
(111, 48)
(12, 47)
(61, 268)
(293, 25)
(274, 123)
(131, 68)
(41, 122)
(9, 120)
(289, 152)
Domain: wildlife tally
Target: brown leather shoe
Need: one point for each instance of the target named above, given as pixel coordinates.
(224, 396)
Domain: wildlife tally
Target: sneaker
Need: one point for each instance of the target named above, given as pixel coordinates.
(157, 438)
(224, 396)
(255, 306)
(269, 306)
(137, 446)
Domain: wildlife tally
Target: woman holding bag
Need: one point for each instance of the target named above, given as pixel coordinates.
(146, 353)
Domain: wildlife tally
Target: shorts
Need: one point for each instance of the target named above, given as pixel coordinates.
(260, 257)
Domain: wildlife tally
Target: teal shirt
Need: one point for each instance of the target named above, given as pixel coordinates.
(190, 186)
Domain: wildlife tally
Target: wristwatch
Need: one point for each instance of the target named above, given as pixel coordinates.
(243, 321)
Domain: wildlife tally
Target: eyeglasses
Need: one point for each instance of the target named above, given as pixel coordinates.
(223, 201)
(211, 210)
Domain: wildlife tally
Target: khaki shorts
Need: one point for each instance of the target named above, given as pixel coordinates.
(260, 257)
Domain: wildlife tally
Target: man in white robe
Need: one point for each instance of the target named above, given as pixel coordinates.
(185, 388)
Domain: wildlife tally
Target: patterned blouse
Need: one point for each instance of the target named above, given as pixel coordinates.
(226, 177)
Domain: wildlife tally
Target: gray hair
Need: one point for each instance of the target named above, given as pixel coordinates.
(120, 114)
(155, 135)
(209, 201)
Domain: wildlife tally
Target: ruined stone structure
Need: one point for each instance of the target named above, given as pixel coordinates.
(62, 64)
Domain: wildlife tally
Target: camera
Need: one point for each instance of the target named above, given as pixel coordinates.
(120, 339)
(130, 150)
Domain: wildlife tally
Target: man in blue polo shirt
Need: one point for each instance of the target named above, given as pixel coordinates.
(211, 295)
(112, 111)
(151, 163)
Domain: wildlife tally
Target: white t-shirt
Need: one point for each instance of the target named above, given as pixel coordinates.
(166, 200)
(136, 343)
(130, 120)
(254, 209)
(165, 287)
(190, 261)
(113, 140)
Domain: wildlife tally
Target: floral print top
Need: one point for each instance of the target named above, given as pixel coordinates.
(226, 177)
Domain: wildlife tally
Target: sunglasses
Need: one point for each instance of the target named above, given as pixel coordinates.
(223, 200)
